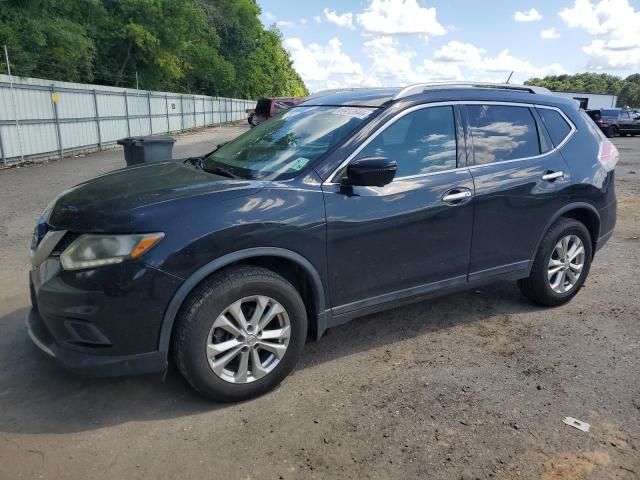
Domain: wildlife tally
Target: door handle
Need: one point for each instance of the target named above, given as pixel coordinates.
(457, 196)
(551, 176)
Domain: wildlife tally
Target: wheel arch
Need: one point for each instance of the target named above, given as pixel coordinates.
(277, 259)
(583, 212)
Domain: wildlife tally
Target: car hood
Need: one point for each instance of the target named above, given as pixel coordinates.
(123, 200)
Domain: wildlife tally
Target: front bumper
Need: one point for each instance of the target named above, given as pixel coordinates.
(100, 322)
(88, 364)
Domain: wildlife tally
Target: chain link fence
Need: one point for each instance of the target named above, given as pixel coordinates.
(41, 119)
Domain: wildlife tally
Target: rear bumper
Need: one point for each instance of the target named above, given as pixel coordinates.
(88, 364)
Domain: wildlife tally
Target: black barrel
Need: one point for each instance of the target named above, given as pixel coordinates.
(139, 150)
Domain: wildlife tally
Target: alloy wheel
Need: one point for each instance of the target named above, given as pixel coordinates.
(248, 339)
(566, 264)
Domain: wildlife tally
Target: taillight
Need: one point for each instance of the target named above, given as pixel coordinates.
(608, 155)
(600, 121)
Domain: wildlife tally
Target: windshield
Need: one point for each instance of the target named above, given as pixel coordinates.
(287, 143)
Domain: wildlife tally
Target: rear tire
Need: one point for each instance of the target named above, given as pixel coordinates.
(612, 131)
(223, 319)
(554, 279)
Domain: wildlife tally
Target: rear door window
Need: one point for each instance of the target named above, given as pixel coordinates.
(556, 125)
(501, 132)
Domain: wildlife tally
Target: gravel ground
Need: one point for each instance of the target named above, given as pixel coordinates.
(472, 385)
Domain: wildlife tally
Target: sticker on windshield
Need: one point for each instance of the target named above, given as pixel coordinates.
(299, 163)
(356, 112)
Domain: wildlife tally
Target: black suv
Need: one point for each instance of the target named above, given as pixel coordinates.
(616, 121)
(350, 203)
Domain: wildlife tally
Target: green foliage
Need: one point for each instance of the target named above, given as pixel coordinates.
(214, 47)
(629, 95)
(268, 67)
(627, 90)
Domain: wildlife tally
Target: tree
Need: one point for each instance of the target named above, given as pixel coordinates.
(627, 90)
(629, 95)
(268, 70)
(215, 47)
(47, 42)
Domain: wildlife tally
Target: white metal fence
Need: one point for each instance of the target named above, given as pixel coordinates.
(55, 119)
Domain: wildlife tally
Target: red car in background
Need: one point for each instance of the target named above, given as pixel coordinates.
(268, 107)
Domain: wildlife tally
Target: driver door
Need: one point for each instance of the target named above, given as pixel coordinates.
(413, 235)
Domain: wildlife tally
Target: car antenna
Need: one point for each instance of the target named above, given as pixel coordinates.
(509, 78)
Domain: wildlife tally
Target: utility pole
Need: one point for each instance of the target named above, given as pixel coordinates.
(13, 103)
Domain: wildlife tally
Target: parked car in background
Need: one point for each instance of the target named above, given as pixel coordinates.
(350, 203)
(616, 121)
(268, 107)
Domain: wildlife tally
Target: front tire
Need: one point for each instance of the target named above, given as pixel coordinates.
(561, 264)
(240, 333)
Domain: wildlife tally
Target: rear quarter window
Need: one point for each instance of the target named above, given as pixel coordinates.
(556, 125)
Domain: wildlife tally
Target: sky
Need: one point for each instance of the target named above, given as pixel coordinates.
(398, 42)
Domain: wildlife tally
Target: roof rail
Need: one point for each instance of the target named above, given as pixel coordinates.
(421, 87)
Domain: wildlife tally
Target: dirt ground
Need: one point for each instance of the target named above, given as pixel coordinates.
(468, 386)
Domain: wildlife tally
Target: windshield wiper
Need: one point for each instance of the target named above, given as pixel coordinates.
(217, 170)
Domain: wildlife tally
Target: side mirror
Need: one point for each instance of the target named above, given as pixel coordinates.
(371, 172)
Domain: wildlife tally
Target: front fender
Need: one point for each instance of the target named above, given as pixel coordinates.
(221, 262)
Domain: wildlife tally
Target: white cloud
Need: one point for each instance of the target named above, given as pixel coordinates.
(393, 66)
(455, 51)
(270, 17)
(531, 15)
(399, 17)
(303, 21)
(432, 70)
(321, 64)
(389, 66)
(317, 18)
(585, 15)
(609, 55)
(523, 69)
(343, 20)
(390, 63)
(549, 34)
(478, 66)
(284, 23)
(616, 24)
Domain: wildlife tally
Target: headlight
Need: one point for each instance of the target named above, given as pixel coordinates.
(90, 251)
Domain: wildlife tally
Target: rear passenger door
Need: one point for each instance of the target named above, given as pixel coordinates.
(518, 176)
